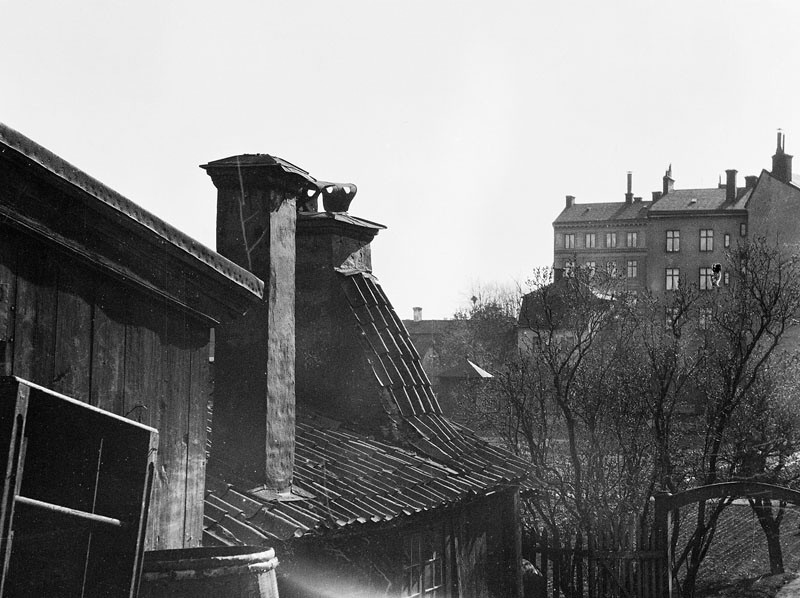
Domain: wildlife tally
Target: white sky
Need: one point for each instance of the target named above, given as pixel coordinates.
(464, 124)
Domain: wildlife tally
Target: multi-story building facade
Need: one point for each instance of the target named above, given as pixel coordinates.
(611, 236)
(676, 238)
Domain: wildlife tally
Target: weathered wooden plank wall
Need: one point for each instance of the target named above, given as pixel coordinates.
(75, 329)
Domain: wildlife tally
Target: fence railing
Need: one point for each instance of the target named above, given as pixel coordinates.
(627, 563)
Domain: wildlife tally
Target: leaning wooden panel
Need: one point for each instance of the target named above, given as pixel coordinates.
(79, 515)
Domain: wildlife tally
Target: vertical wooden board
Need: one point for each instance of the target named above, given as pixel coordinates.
(174, 430)
(199, 395)
(8, 298)
(108, 348)
(143, 390)
(34, 329)
(73, 342)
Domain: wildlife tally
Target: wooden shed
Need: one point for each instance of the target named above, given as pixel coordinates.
(106, 303)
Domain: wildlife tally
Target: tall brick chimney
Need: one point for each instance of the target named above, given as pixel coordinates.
(730, 185)
(781, 161)
(629, 194)
(254, 394)
(668, 183)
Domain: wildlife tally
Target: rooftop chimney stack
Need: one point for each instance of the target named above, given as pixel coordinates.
(781, 161)
(730, 185)
(570, 201)
(656, 195)
(417, 314)
(254, 390)
(750, 181)
(668, 181)
(629, 194)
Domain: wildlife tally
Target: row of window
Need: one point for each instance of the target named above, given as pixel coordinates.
(631, 269)
(707, 279)
(590, 240)
(706, 239)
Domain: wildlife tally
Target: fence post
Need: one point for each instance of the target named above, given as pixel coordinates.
(661, 523)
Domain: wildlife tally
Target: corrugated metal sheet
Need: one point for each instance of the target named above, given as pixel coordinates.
(357, 480)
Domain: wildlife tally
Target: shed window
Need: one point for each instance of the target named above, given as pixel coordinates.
(423, 565)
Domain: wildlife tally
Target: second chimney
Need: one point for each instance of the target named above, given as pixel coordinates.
(417, 314)
(781, 161)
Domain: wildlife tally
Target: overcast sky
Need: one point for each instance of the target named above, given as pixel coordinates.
(464, 124)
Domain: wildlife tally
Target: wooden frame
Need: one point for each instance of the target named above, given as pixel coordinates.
(75, 495)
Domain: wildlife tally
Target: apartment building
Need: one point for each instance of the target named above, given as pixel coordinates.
(677, 237)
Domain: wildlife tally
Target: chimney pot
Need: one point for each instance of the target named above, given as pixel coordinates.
(417, 314)
(570, 201)
(750, 181)
(656, 195)
(730, 185)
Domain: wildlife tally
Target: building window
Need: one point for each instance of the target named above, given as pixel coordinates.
(726, 277)
(705, 318)
(672, 277)
(611, 240)
(611, 268)
(591, 267)
(633, 268)
(706, 239)
(591, 240)
(743, 229)
(706, 279)
(569, 268)
(633, 239)
(423, 565)
(727, 240)
(673, 241)
(569, 241)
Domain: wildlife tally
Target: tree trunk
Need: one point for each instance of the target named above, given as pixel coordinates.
(771, 524)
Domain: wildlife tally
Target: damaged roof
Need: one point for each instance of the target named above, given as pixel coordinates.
(349, 480)
(343, 478)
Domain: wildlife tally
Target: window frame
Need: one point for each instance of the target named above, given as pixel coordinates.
(430, 551)
(632, 266)
(569, 240)
(726, 240)
(673, 241)
(611, 240)
(706, 281)
(743, 229)
(672, 278)
(706, 239)
(632, 235)
(587, 244)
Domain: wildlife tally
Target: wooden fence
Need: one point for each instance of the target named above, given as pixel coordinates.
(625, 564)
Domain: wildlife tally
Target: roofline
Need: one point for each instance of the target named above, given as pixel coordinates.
(192, 250)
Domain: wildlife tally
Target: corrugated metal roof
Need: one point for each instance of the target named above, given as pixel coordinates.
(355, 480)
(17, 142)
(601, 212)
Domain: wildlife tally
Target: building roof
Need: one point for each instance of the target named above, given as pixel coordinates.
(696, 200)
(602, 212)
(349, 480)
(343, 478)
(56, 165)
(465, 370)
